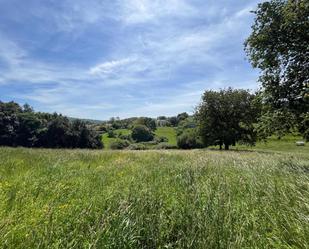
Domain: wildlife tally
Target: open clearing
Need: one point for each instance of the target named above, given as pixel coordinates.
(153, 199)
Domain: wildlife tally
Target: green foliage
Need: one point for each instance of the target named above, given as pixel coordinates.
(188, 123)
(141, 133)
(304, 126)
(110, 133)
(165, 146)
(278, 46)
(24, 127)
(275, 122)
(181, 117)
(175, 199)
(189, 139)
(168, 132)
(227, 117)
(161, 139)
(150, 123)
(125, 137)
(119, 144)
(137, 146)
(173, 121)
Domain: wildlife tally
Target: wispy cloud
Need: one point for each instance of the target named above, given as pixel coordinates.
(141, 11)
(141, 57)
(110, 67)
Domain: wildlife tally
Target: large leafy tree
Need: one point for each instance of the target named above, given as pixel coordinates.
(226, 117)
(279, 47)
(9, 123)
(141, 133)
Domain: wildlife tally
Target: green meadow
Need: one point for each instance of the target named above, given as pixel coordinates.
(153, 199)
(168, 132)
(107, 140)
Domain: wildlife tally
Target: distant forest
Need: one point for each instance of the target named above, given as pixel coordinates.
(21, 126)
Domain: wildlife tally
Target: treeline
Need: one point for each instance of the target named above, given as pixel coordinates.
(152, 123)
(22, 126)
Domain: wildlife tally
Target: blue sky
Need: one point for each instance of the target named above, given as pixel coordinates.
(103, 58)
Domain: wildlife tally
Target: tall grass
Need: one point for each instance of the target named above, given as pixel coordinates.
(153, 199)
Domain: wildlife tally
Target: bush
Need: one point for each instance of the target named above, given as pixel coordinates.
(137, 147)
(165, 146)
(148, 122)
(119, 144)
(189, 140)
(140, 133)
(150, 143)
(111, 134)
(125, 137)
(161, 139)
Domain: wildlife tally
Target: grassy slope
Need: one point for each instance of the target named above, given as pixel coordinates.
(168, 132)
(107, 141)
(153, 199)
(286, 144)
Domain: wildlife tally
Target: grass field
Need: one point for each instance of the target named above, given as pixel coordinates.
(153, 199)
(107, 141)
(168, 132)
(285, 144)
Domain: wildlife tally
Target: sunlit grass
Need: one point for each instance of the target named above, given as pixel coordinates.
(168, 132)
(153, 199)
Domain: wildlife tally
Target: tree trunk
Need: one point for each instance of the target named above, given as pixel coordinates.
(220, 146)
(226, 147)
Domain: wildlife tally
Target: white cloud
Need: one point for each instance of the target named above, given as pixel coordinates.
(10, 52)
(159, 44)
(110, 67)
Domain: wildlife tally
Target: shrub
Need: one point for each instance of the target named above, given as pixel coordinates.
(148, 122)
(111, 134)
(165, 146)
(102, 128)
(140, 133)
(161, 139)
(137, 147)
(189, 140)
(119, 144)
(150, 143)
(125, 137)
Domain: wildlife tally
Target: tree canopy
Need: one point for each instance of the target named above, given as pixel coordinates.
(226, 117)
(141, 133)
(279, 47)
(21, 126)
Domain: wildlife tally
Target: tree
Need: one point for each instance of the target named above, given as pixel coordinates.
(181, 117)
(24, 127)
(227, 117)
(173, 121)
(9, 123)
(29, 129)
(82, 137)
(141, 133)
(279, 47)
(58, 133)
(148, 122)
(119, 144)
(189, 139)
